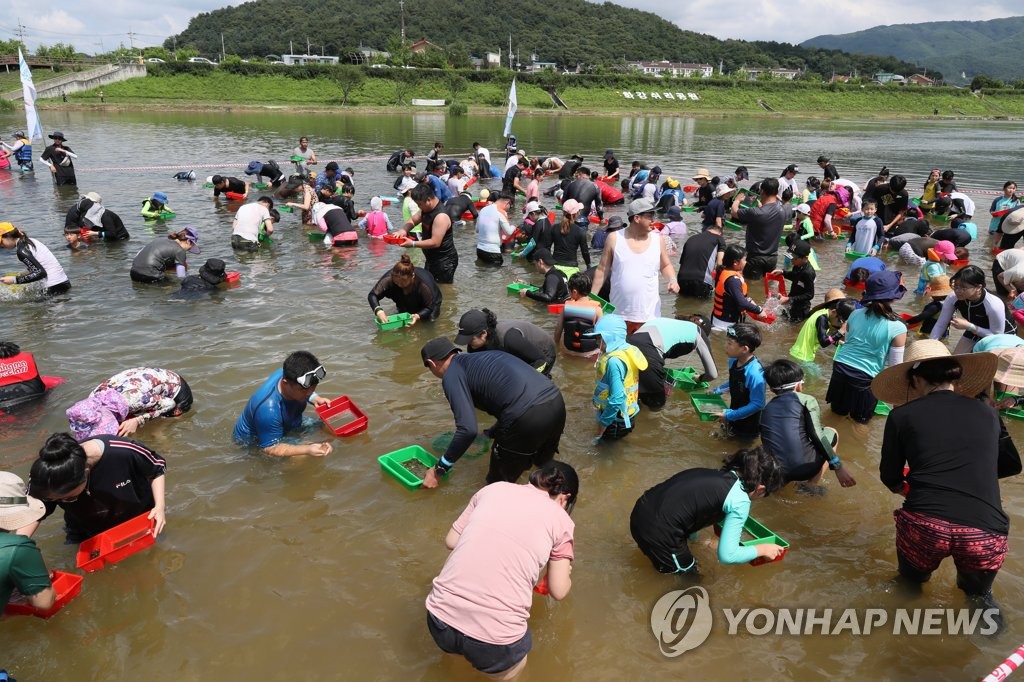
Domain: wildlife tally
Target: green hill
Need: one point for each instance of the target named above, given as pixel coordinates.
(567, 32)
(990, 48)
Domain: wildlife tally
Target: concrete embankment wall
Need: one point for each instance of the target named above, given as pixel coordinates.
(82, 80)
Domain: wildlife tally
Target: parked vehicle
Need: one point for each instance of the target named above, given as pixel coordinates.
(201, 60)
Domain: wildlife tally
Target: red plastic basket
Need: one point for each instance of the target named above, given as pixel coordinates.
(555, 308)
(66, 585)
(331, 415)
(234, 195)
(116, 544)
(392, 239)
(779, 278)
(960, 263)
(232, 276)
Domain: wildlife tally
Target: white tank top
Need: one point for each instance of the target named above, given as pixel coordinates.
(634, 290)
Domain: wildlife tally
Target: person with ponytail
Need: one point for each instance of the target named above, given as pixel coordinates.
(480, 330)
(980, 312)
(41, 263)
(667, 517)
(413, 290)
(875, 337)
(99, 483)
(941, 450)
(161, 254)
(500, 545)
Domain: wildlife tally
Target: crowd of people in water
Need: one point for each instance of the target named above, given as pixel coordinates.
(944, 447)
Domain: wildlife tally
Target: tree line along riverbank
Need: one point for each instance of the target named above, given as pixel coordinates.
(394, 89)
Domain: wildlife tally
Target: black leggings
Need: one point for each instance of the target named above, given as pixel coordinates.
(488, 258)
(531, 440)
(1009, 240)
(61, 288)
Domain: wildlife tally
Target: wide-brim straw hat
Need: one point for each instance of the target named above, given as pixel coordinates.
(1010, 366)
(892, 385)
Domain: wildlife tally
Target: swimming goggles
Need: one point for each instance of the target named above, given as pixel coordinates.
(312, 377)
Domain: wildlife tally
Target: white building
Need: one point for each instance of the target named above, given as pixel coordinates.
(788, 74)
(674, 69)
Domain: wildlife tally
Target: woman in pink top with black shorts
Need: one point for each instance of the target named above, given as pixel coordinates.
(509, 533)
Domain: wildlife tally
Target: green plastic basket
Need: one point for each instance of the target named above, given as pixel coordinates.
(392, 462)
(167, 215)
(606, 307)
(883, 409)
(315, 237)
(396, 321)
(709, 407)
(688, 209)
(297, 159)
(1011, 412)
(686, 379)
(854, 255)
(514, 288)
(759, 534)
(285, 209)
(733, 226)
(260, 185)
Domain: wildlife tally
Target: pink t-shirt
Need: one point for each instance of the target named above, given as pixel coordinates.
(509, 532)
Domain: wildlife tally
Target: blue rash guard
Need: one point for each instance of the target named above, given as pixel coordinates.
(268, 415)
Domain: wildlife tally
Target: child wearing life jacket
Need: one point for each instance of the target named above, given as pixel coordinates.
(154, 206)
(746, 383)
(19, 379)
(731, 300)
(616, 393)
(578, 318)
(376, 222)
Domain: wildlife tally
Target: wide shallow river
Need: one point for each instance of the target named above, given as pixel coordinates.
(317, 568)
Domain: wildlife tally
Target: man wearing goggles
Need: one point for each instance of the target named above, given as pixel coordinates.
(276, 408)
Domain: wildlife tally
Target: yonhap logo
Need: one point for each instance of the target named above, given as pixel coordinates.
(681, 620)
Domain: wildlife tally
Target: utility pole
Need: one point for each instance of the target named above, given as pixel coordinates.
(401, 6)
(510, 55)
(131, 43)
(174, 39)
(291, 48)
(307, 44)
(223, 52)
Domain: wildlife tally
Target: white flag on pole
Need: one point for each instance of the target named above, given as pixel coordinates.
(513, 104)
(28, 90)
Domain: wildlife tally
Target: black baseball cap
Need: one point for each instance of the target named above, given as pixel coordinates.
(437, 350)
(470, 324)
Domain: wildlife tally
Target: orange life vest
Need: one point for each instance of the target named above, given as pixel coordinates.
(723, 277)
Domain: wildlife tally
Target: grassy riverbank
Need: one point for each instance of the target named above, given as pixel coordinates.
(218, 88)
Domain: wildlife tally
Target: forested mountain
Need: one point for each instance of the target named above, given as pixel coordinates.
(567, 32)
(992, 48)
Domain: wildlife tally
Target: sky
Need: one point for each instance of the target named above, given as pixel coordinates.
(94, 26)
